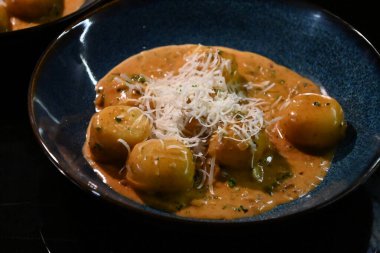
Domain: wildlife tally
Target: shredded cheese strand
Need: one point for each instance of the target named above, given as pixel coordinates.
(199, 92)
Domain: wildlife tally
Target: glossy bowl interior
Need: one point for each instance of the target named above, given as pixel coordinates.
(304, 38)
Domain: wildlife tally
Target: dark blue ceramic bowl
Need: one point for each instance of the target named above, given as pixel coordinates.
(306, 39)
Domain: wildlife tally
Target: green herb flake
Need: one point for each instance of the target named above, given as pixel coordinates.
(138, 78)
(98, 128)
(269, 189)
(243, 209)
(316, 103)
(282, 81)
(117, 119)
(231, 182)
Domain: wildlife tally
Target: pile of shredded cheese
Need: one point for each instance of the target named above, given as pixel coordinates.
(200, 92)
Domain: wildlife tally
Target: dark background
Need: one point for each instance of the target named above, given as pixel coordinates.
(42, 211)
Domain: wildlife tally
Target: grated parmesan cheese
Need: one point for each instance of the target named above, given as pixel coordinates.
(200, 92)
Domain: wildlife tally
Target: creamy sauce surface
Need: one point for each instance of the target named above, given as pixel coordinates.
(302, 171)
(69, 6)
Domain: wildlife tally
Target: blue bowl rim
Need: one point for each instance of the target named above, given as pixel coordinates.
(155, 213)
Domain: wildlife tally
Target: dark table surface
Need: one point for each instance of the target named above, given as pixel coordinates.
(42, 211)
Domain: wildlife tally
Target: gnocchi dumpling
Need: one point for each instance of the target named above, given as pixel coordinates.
(161, 166)
(234, 154)
(313, 121)
(114, 127)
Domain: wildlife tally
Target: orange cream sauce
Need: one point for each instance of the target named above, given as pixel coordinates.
(302, 171)
(69, 6)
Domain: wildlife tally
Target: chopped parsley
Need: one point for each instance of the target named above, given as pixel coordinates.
(269, 189)
(118, 119)
(231, 182)
(138, 78)
(241, 208)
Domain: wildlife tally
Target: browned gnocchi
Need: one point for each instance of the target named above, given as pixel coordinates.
(313, 121)
(116, 129)
(161, 166)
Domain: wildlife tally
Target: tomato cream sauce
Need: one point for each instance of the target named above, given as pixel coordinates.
(69, 6)
(291, 175)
